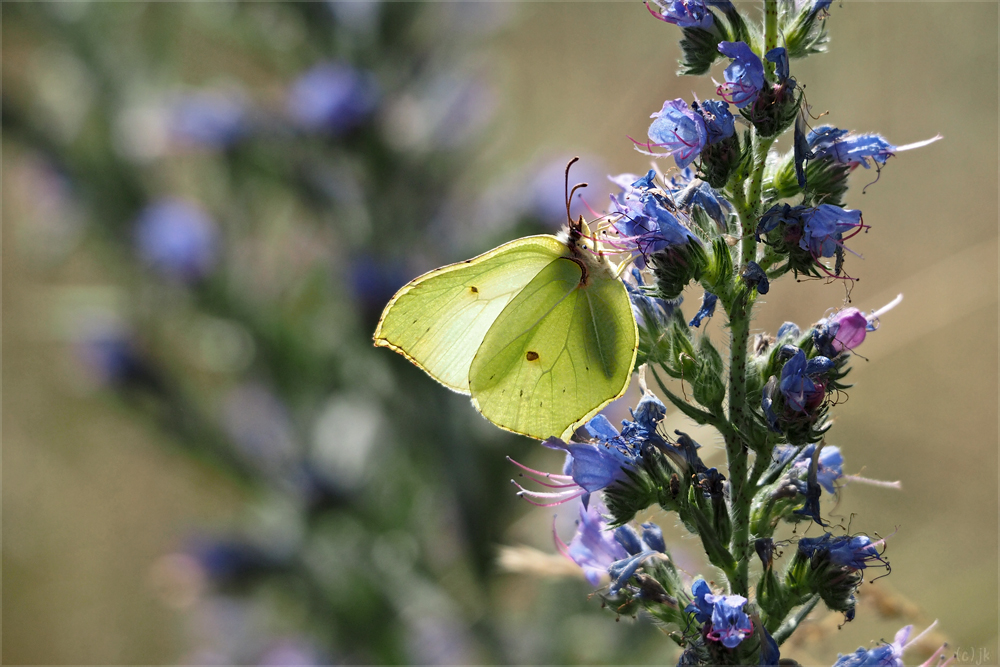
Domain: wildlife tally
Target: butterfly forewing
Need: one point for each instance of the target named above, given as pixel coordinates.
(557, 354)
(438, 320)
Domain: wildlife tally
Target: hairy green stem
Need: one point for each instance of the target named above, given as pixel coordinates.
(770, 31)
(748, 202)
(788, 627)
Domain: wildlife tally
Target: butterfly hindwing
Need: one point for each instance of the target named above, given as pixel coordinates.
(558, 353)
(438, 320)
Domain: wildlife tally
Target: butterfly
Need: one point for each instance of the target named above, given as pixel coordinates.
(539, 331)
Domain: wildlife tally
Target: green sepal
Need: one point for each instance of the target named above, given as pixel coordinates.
(774, 110)
(718, 271)
(700, 47)
(675, 266)
(826, 181)
(803, 34)
(835, 584)
(720, 160)
(708, 386)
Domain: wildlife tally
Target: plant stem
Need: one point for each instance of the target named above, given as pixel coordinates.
(770, 31)
(748, 202)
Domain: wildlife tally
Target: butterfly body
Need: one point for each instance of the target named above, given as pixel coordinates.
(539, 332)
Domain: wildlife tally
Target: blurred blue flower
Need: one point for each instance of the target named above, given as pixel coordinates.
(890, 655)
(209, 119)
(744, 76)
(178, 239)
(292, 651)
(332, 97)
(830, 466)
(650, 312)
(593, 547)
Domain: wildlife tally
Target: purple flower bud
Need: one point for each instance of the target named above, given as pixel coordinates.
(332, 96)
(178, 239)
(744, 76)
(683, 13)
(847, 328)
(679, 129)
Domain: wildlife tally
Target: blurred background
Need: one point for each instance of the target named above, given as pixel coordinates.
(206, 207)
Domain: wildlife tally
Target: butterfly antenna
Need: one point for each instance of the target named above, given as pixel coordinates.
(569, 194)
(566, 188)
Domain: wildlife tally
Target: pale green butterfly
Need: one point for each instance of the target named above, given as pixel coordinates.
(539, 331)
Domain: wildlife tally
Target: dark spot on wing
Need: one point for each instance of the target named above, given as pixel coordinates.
(531, 356)
(522, 393)
(473, 289)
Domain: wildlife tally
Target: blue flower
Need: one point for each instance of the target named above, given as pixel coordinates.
(824, 227)
(625, 569)
(719, 122)
(756, 278)
(888, 655)
(799, 390)
(590, 466)
(769, 652)
(683, 13)
(730, 625)
(855, 552)
(800, 150)
(332, 96)
(650, 540)
(679, 129)
(685, 451)
(593, 547)
(789, 330)
(744, 76)
(708, 301)
(779, 56)
(819, 6)
(178, 239)
(829, 468)
(643, 223)
(856, 149)
(700, 607)
(699, 193)
(777, 214)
